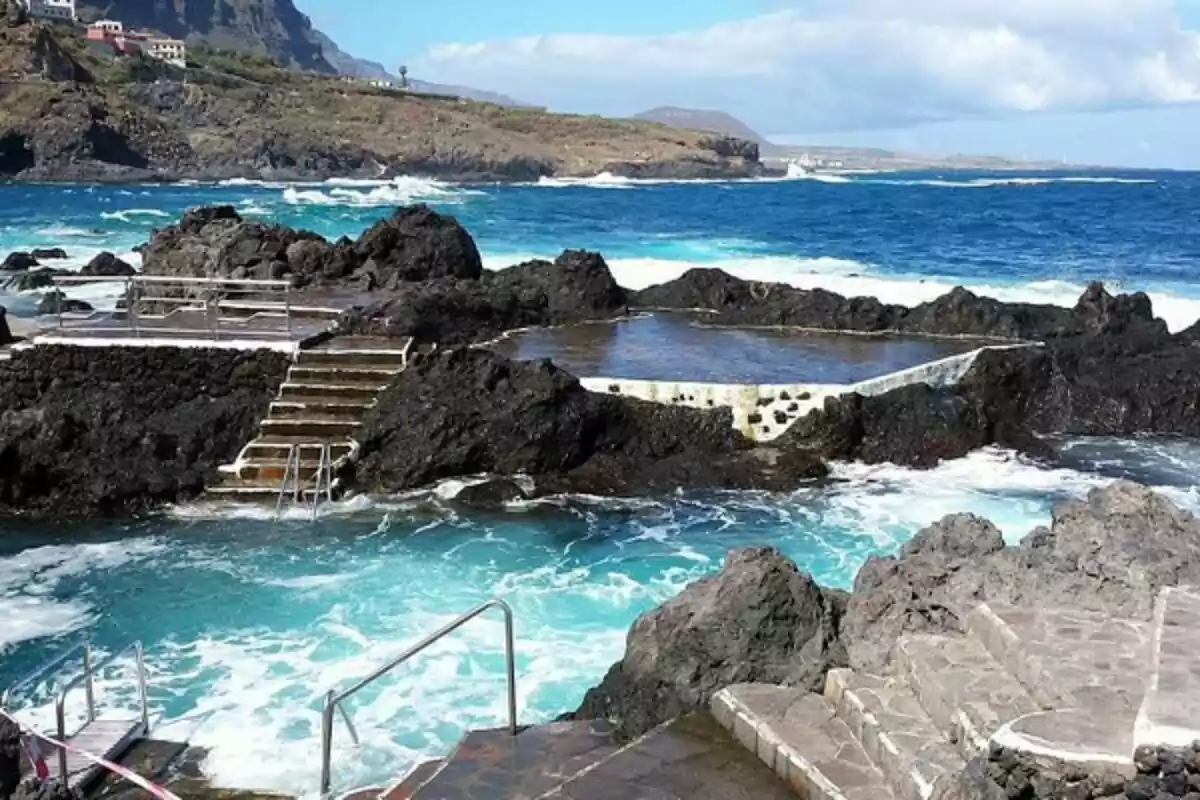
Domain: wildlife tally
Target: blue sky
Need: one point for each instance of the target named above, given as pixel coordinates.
(1092, 81)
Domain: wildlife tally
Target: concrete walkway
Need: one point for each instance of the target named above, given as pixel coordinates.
(1078, 687)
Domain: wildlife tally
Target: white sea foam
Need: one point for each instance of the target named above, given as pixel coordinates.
(129, 214)
(605, 180)
(69, 232)
(28, 580)
(399, 191)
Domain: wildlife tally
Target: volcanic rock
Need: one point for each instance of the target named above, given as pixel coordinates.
(55, 301)
(469, 411)
(18, 261)
(1110, 553)
(416, 244)
(957, 313)
(33, 280)
(87, 432)
(758, 620)
(574, 287)
(107, 265)
(6, 337)
(10, 758)
(49, 253)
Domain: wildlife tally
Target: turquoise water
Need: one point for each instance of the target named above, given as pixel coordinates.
(248, 623)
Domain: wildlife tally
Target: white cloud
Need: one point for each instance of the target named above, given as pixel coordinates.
(830, 64)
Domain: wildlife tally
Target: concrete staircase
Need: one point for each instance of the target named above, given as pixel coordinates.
(691, 757)
(323, 402)
(1077, 687)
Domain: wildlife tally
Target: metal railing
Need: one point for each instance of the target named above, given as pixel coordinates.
(85, 679)
(84, 647)
(60, 705)
(204, 307)
(334, 700)
(322, 482)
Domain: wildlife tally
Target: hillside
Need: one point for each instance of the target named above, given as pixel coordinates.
(275, 28)
(72, 115)
(690, 119)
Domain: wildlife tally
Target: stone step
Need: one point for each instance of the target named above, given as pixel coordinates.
(422, 774)
(899, 737)
(1069, 657)
(800, 736)
(302, 392)
(966, 692)
(391, 360)
(315, 429)
(273, 471)
(277, 448)
(690, 758)
(316, 411)
(336, 376)
(493, 765)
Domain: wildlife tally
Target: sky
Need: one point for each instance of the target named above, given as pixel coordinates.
(1089, 81)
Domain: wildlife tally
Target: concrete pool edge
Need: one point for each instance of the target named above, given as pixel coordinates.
(764, 412)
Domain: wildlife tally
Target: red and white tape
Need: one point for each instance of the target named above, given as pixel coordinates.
(137, 780)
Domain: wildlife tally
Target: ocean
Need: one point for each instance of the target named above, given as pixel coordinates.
(248, 622)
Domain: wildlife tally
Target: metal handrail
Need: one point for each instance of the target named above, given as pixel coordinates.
(214, 281)
(60, 705)
(84, 646)
(208, 295)
(322, 480)
(334, 700)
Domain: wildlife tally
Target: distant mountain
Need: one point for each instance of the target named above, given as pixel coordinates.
(690, 119)
(271, 27)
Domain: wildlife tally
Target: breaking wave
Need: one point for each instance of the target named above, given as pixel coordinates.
(399, 191)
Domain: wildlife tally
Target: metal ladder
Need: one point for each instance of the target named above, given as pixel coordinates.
(322, 481)
(108, 738)
(334, 699)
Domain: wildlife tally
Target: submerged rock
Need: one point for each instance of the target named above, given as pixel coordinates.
(758, 620)
(470, 411)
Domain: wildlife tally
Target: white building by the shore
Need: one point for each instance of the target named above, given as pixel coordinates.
(109, 26)
(58, 10)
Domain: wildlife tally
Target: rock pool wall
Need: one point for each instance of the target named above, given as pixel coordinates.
(764, 412)
(112, 431)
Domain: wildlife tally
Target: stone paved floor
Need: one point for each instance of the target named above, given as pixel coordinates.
(1171, 713)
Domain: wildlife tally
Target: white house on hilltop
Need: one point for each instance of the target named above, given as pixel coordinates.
(59, 10)
(109, 26)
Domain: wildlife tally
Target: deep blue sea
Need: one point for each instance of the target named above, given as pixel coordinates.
(248, 622)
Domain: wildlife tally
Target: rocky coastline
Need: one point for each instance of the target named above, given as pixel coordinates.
(1104, 367)
(761, 620)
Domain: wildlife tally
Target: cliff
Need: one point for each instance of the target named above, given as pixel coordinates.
(274, 28)
(75, 115)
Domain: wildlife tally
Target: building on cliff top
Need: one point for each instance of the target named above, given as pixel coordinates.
(173, 51)
(58, 10)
